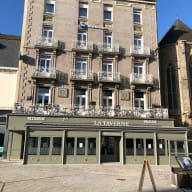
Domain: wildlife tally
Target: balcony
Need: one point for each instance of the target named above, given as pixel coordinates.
(44, 73)
(82, 46)
(77, 75)
(109, 77)
(137, 50)
(144, 79)
(47, 43)
(92, 111)
(108, 48)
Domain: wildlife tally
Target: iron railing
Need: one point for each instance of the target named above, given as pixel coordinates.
(109, 76)
(81, 75)
(47, 42)
(82, 45)
(140, 50)
(110, 48)
(42, 72)
(136, 78)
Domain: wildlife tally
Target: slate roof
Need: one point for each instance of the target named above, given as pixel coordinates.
(178, 31)
(9, 50)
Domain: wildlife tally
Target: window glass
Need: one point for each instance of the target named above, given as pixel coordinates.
(45, 144)
(172, 147)
(80, 146)
(107, 13)
(57, 145)
(107, 98)
(161, 146)
(190, 146)
(49, 8)
(139, 147)
(137, 17)
(32, 145)
(91, 146)
(180, 147)
(149, 147)
(83, 10)
(70, 145)
(129, 147)
(139, 100)
(43, 95)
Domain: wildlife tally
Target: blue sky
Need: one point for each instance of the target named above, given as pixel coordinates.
(11, 12)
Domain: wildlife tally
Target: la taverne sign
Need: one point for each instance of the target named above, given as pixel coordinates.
(112, 123)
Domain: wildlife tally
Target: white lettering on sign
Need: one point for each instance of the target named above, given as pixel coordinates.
(65, 118)
(111, 123)
(36, 118)
(150, 121)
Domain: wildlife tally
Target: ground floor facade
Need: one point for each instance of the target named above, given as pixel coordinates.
(92, 140)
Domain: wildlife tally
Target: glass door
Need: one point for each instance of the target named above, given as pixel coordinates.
(82, 38)
(108, 40)
(47, 34)
(107, 70)
(80, 100)
(45, 64)
(81, 68)
(138, 70)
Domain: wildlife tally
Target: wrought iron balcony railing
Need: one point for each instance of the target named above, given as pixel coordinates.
(140, 50)
(136, 78)
(82, 45)
(109, 76)
(92, 110)
(47, 42)
(109, 48)
(81, 75)
(42, 72)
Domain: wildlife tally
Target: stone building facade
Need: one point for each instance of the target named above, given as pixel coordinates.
(89, 89)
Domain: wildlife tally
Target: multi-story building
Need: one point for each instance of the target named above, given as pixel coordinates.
(9, 52)
(175, 66)
(89, 89)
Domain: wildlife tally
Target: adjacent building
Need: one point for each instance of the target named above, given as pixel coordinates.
(175, 68)
(9, 53)
(89, 86)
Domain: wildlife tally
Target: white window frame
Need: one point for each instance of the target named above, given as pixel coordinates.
(140, 70)
(81, 108)
(43, 96)
(141, 100)
(81, 42)
(46, 38)
(108, 9)
(81, 72)
(107, 99)
(84, 6)
(137, 39)
(48, 63)
(52, 2)
(107, 36)
(137, 12)
(107, 74)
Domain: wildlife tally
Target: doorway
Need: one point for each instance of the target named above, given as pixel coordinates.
(110, 149)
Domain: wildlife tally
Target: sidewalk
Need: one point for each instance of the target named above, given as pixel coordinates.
(81, 178)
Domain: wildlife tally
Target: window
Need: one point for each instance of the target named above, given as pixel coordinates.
(107, 13)
(180, 146)
(47, 34)
(137, 42)
(91, 146)
(139, 147)
(32, 146)
(139, 100)
(45, 144)
(107, 40)
(83, 10)
(80, 146)
(70, 145)
(82, 38)
(172, 147)
(107, 69)
(44, 64)
(149, 147)
(137, 17)
(107, 98)
(43, 95)
(161, 147)
(129, 147)
(80, 99)
(57, 143)
(138, 70)
(50, 6)
(171, 87)
(81, 67)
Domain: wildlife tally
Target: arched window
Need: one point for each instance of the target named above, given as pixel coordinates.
(171, 87)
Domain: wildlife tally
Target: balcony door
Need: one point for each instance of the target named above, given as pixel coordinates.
(80, 100)
(107, 69)
(82, 38)
(43, 95)
(107, 99)
(138, 70)
(108, 40)
(139, 100)
(45, 65)
(47, 34)
(137, 42)
(81, 68)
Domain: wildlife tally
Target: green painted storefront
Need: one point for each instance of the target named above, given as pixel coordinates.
(71, 140)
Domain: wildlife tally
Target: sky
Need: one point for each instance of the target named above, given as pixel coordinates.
(11, 13)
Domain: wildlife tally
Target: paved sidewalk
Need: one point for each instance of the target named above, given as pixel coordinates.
(81, 178)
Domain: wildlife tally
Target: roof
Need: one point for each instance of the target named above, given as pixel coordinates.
(178, 31)
(9, 50)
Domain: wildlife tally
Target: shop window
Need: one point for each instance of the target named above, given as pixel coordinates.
(180, 147)
(81, 146)
(149, 147)
(70, 146)
(139, 147)
(161, 146)
(172, 147)
(45, 145)
(32, 145)
(129, 147)
(91, 146)
(57, 145)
